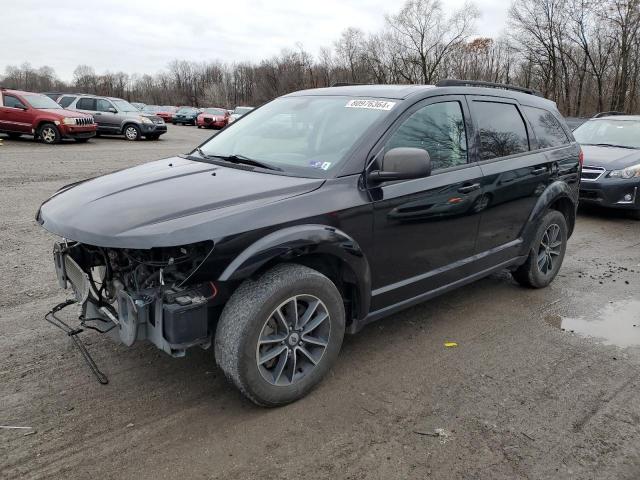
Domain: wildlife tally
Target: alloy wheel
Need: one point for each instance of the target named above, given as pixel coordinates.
(293, 340)
(131, 133)
(48, 135)
(550, 248)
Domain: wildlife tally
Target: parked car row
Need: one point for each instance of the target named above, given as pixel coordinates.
(26, 113)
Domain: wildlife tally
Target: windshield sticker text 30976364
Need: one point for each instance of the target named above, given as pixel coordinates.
(371, 104)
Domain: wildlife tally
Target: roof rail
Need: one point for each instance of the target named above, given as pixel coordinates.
(607, 114)
(346, 84)
(450, 82)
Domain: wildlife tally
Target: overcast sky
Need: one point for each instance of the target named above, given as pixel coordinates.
(142, 36)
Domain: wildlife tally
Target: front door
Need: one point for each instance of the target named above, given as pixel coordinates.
(109, 121)
(425, 229)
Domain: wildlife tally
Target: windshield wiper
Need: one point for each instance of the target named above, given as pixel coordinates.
(239, 159)
(246, 161)
(610, 145)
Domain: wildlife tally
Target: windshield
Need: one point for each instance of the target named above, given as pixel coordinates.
(623, 133)
(242, 110)
(151, 108)
(41, 101)
(300, 135)
(186, 110)
(124, 106)
(214, 111)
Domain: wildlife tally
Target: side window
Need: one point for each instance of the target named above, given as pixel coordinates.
(13, 102)
(86, 104)
(66, 101)
(502, 129)
(103, 105)
(437, 128)
(547, 128)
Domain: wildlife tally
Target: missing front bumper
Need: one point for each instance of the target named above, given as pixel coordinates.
(172, 321)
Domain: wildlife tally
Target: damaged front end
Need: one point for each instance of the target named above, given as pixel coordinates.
(158, 294)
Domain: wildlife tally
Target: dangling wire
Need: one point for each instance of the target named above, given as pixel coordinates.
(73, 333)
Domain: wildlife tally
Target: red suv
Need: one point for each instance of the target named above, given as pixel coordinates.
(26, 113)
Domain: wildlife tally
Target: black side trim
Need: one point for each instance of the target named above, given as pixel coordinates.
(391, 309)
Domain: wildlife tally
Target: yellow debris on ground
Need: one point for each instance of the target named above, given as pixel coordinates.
(450, 344)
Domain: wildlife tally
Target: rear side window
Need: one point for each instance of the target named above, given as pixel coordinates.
(86, 104)
(13, 102)
(502, 129)
(547, 128)
(66, 101)
(437, 128)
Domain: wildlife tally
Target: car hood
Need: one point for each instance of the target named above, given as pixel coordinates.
(169, 202)
(62, 113)
(611, 158)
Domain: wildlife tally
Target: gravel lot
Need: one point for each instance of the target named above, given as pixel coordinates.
(518, 398)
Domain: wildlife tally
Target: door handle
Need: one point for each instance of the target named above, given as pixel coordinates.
(469, 188)
(539, 170)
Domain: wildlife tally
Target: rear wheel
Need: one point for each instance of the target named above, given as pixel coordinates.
(280, 334)
(48, 133)
(546, 254)
(131, 132)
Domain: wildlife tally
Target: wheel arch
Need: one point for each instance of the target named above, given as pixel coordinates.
(557, 196)
(126, 123)
(327, 249)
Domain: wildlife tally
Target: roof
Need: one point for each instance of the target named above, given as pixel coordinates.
(617, 117)
(399, 92)
(20, 92)
(402, 92)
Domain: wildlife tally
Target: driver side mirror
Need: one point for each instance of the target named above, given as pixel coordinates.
(402, 163)
(112, 110)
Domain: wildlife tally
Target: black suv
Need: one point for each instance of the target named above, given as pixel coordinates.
(314, 215)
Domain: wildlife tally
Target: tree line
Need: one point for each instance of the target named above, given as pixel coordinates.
(583, 54)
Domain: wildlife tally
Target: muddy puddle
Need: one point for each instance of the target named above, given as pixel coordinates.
(617, 323)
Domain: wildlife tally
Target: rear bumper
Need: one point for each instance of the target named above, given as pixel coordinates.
(611, 193)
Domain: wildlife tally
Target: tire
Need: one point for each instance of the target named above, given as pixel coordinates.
(48, 133)
(251, 315)
(536, 272)
(14, 135)
(174, 123)
(131, 132)
(82, 140)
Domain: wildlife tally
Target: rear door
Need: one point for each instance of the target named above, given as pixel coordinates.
(15, 115)
(515, 174)
(425, 229)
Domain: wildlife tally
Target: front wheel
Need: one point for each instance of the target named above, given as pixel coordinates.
(132, 132)
(280, 334)
(546, 254)
(49, 134)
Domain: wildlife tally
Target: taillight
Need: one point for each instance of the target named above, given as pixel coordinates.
(581, 158)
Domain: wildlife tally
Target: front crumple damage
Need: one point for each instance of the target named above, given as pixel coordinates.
(156, 294)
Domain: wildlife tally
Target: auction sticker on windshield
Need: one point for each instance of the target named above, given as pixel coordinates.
(372, 104)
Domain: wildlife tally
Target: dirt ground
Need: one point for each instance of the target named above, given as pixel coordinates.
(518, 398)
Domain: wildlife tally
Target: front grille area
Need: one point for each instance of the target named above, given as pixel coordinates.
(84, 121)
(207, 119)
(591, 174)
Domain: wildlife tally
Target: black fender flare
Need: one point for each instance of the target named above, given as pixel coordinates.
(297, 241)
(554, 192)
